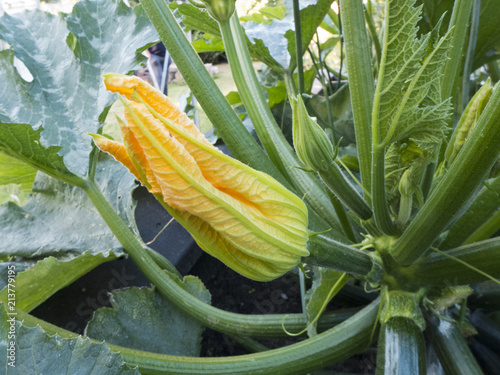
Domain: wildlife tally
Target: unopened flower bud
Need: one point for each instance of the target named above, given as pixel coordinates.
(220, 10)
(311, 142)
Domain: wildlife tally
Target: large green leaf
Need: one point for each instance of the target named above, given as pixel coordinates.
(66, 57)
(276, 37)
(408, 95)
(60, 220)
(36, 352)
(35, 285)
(161, 328)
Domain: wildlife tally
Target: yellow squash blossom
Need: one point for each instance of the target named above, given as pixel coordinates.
(242, 216)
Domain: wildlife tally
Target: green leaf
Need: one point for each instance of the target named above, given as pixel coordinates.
(193, 18)
(324, 280)
(36, 352)
(13, 171)
(59, 219)
(19, 266)
(270, 38)
(408, 90)
(16, 179)
(67, 95)
(35, 285)
(208, 43)
(161, 328)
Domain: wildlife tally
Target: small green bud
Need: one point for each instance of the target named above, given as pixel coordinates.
(311, 142)
(468, 120)
(405, 184)
(220, 10)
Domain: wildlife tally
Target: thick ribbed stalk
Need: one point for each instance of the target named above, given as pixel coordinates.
(338, 183)
(219, 111)
(298, 45)
(332, 254)
(278, 149)
(361, 85)
(484, 206)
(469, 58)
(455, 190)
(451, 347)
(440, 269)
(167, 285)
(380, 207)
(459, 21)
(329, 347)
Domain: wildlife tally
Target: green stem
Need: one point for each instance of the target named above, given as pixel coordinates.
(219, 111)
(361, 85)
(469, 59)
(463, 265)
(485, 231)
(167, 285)
(327, 348)
(249, 344)
(342, 215)
(373, 35)
(322, 8)
(484, 206)
(379, 202)
(454, 191)
(459, 21)
(298, 45)
(163, 263)
(277, 147)
(338, 183)
(451, 348)
(332, 254)
(326, 84)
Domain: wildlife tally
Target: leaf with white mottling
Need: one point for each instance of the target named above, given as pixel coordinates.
(66, 97)
(162, 328)
(60, 220)
(39, 353)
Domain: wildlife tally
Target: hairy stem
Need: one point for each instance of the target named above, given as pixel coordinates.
(361, 85)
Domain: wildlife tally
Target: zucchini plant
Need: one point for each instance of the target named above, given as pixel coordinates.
(413, 217)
